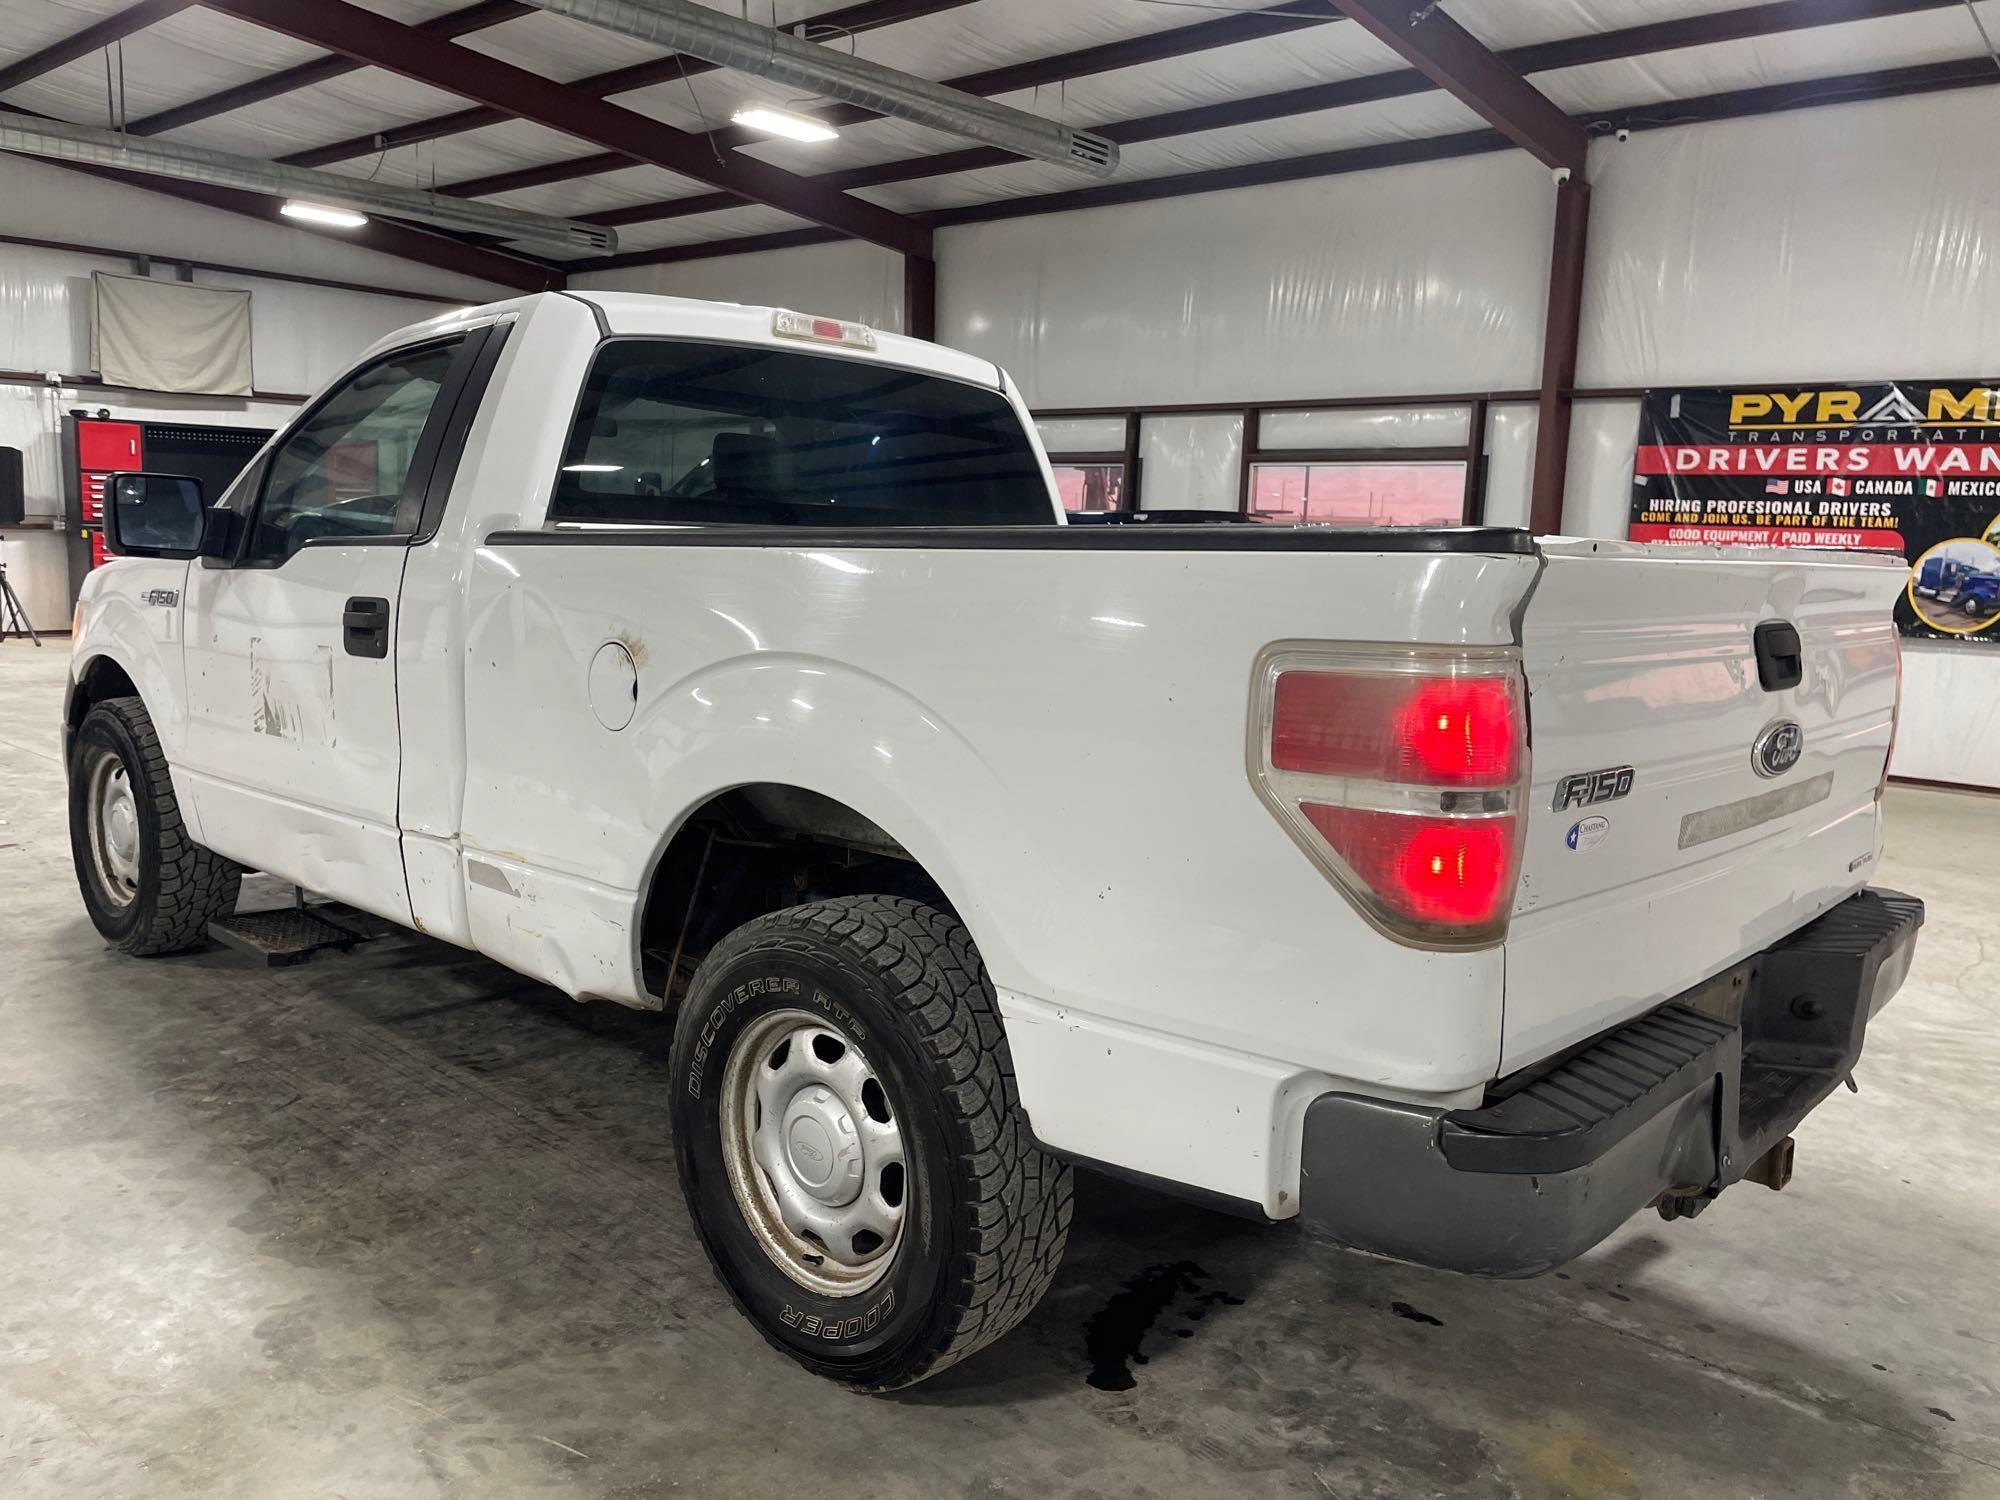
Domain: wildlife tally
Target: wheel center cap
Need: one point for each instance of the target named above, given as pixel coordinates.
(121, 828)
(821, 1146)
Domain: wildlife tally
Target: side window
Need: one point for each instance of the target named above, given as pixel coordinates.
(343, 471)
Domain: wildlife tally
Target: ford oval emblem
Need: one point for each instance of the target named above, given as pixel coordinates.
(1778, 748)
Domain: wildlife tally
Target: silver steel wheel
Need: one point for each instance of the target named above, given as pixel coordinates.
(113, 814)
(815, 1153)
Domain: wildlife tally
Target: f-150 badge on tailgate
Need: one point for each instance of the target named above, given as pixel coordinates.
(1588, 788)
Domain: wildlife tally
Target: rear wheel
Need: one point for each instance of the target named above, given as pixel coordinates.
(148, 887)
(852, 1145)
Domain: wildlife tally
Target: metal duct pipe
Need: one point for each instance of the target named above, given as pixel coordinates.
(59, 140)
(730, 42)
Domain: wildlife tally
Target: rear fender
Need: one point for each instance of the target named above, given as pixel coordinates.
(793, 720)
(829, 728)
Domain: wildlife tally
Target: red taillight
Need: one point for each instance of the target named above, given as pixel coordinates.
(1464, 731)
(1449, 731)
(1453, 871)
(1402, 774)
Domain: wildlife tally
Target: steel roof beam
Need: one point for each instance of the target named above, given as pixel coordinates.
(669, 69)
(1178, 41)
(1887, 83)
(320, 70)
(1458, 62)
(374, 39)
(1569, 52)
(83, 43)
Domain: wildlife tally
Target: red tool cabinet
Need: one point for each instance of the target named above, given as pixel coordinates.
(98, 446)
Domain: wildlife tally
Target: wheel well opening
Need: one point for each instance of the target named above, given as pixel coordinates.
(758, 849)
(102, 679)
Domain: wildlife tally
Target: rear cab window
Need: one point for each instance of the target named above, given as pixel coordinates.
(684, 433)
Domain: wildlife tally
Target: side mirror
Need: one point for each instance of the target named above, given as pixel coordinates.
(154, 515)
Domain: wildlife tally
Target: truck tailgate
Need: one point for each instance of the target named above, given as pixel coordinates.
(1643, 659)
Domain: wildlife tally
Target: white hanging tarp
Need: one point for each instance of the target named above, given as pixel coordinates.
(170, 335)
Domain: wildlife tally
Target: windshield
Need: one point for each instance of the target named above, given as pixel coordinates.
(745, 435)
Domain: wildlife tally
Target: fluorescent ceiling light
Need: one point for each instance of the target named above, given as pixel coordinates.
(321, 194)
(790, 61)
(777, 122)
(319, 213)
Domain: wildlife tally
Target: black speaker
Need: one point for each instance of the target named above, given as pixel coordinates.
(13, 501)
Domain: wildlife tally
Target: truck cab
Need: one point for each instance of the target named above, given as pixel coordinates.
(1978, 594)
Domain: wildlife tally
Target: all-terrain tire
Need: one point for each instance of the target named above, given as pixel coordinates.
(180, 886)
(988, 1211)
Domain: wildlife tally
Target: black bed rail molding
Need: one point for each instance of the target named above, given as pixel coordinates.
(1499, 540)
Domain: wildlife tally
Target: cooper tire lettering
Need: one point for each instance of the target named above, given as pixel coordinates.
(838, 1330)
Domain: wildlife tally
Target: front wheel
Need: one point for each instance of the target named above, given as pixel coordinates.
(148, 887)
(852, 1145)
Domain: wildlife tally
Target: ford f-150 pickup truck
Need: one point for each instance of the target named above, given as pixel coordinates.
(1456, 892)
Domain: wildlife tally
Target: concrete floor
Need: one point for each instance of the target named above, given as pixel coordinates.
(403, 1224)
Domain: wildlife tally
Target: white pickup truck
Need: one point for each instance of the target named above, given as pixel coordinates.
(1457, 892)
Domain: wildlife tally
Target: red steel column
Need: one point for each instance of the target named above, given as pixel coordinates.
(1559, 341)
(920, 296)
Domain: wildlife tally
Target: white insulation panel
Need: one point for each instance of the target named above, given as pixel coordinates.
(1416, 279)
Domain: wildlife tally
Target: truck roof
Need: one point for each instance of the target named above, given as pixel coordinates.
(642, 313)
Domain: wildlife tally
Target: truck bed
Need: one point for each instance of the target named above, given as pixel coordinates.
(1052, 721)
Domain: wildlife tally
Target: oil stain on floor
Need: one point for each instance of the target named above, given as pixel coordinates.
(1114, 1334)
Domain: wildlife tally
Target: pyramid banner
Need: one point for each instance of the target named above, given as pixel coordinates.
(1908, 466)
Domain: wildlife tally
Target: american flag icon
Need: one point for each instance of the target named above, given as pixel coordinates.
(1777, 486)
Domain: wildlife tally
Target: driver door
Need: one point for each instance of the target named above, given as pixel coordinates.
(291, 742)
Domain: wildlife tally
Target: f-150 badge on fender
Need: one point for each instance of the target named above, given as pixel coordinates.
(1588, 788)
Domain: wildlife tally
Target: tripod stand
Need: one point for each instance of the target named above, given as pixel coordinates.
(13, 618)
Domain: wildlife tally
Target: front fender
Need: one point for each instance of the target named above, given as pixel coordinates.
(129, 615)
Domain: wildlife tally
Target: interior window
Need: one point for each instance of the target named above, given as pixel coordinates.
(343, 471)
(1359, 494)
(750, 436)
(1089, 487)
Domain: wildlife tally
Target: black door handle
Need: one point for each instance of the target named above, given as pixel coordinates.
(364, 627)
(1780, 657)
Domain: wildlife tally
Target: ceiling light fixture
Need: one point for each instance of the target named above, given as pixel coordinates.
(777, 122)
(324, 192)
(319, 213)
(732, 42)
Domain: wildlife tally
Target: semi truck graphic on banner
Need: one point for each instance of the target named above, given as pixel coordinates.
(1911, 467)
